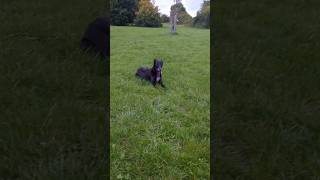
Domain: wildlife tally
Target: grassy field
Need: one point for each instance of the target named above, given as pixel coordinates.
(160, 133)
(266, 102)
(52, 95)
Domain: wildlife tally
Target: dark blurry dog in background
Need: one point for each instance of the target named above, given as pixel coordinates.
(96, 37)
(154, 74)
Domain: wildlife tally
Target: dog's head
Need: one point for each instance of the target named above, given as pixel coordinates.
(157, 65)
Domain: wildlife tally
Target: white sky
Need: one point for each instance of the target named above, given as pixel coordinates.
(192, 6)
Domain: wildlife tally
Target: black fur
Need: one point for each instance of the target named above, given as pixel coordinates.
(154, 74)
(96, 37)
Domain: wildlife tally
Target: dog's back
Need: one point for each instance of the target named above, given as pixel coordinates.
(154, 74)
(144, 73)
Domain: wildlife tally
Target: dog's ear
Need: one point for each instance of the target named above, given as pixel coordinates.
(154, 62)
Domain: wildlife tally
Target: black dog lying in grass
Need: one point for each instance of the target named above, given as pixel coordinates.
(153, 75)
(96, 37)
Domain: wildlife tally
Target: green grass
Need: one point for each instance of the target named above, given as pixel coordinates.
(53, 96)
(266, 90)
(160, 133)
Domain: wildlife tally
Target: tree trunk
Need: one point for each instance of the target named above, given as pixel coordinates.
(173, 22)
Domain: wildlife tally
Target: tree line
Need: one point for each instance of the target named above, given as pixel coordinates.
(145, 13)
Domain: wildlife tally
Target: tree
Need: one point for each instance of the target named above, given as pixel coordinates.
(173, 18)
(165, 18)
(147, 15)
(123, 11)
(203, 16)
(182, 15)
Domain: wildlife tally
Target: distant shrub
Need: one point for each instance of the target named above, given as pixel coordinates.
(165, 18)
(123, 12)
(148, 15)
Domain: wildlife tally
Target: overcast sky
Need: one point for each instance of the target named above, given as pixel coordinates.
(192, 6)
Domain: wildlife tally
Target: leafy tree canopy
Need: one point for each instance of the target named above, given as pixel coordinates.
(123, 11)
(147, 15)
(183, 16)
(203, 16)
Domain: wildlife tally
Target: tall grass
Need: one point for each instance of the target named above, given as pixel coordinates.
(160, 133)
(52, 96)
(266, 89)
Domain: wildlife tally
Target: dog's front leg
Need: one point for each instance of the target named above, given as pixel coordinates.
(154, 83)
(161, 83)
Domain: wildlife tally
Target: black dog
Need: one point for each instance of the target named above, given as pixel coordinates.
(96, 37)
(153, 75)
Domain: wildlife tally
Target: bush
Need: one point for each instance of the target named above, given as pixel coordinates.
(123, 12)
(165, 18)
(148, 15)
